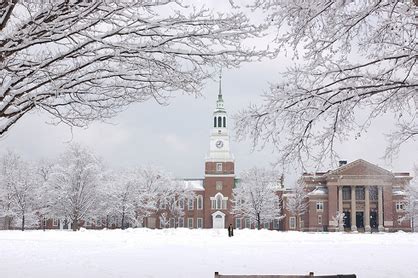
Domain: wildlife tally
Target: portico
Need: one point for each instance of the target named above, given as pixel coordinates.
(359, 204)
(360, 196)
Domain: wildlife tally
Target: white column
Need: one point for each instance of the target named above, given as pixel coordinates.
(367, 209)
(380, 208)
(353, 209)
(340, 208)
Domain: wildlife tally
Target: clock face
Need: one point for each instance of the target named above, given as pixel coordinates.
(219, 144)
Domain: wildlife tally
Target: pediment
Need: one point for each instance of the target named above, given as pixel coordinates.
(360, 167)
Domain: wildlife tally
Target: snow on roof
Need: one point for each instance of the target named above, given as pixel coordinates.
(397, 190)
(194, 184)
(319, 190)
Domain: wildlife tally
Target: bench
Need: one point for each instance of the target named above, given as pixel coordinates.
(311, 274)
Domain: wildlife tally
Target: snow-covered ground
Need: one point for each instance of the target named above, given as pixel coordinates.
(199, 253)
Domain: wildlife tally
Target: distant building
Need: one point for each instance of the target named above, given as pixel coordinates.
(371, 198)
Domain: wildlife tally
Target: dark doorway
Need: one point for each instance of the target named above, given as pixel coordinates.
(373, 219)
(347, 220)
(360, 219)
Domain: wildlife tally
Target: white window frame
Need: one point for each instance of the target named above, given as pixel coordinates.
(199, 223)
(218, 167)
(181, 222)
(276, 224)
(55, 222)
(247, 223)
(190, 204)
(400, 206)
(219, 201)
(199, 202)
(301, 222)
(292, 223)
(319, 206)
(238, 223)
(190, 223)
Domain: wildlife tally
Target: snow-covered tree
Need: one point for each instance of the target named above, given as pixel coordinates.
(151, 179)
(85, 60)
(173, 197)
(8, 165)
(120, 192)
(411, 206)
(19, 192)
(43, 171)
(359, 62)
(255, 196)
(74, 183)
(297, 200)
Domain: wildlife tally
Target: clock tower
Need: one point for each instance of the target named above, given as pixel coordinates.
(219, 170)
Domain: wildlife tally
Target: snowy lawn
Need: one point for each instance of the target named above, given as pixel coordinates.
(199, 253)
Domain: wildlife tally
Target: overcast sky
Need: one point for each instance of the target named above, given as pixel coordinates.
(176, 137)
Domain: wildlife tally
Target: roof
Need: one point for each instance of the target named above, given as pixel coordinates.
(194, 184)
(319, 190)
(363, 162)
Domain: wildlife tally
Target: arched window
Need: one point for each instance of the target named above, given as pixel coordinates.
(199, 202)
(214, 121)
(224, 121)
(219, 202)
(219, 121)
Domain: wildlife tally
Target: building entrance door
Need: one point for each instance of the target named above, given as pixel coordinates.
(360, 219)
(347, 220)
(373, 219)
(218, 220)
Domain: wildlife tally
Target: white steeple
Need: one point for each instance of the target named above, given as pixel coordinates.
(219, 137)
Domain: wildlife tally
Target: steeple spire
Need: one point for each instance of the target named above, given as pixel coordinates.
(220, 101)
(220, 85)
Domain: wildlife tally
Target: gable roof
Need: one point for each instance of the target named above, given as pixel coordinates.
(360, 167)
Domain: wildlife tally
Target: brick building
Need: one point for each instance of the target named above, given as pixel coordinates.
(370, 197)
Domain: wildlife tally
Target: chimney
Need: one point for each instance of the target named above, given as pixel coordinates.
(342, 163)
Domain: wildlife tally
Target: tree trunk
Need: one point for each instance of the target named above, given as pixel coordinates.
(75, 224)
(258, 221)
(23, 222)
(123, 220)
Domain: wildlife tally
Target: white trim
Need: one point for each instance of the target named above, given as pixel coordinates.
(319, 219)
(292, 223)
(201, 223)
(221, 224)
(220, 175)
(199, 198)
(400, 206)
(219, 167)
(319, 206)
(55, 222)
(181, 222)
(190, 222)
(236, 223)
(190, 204)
